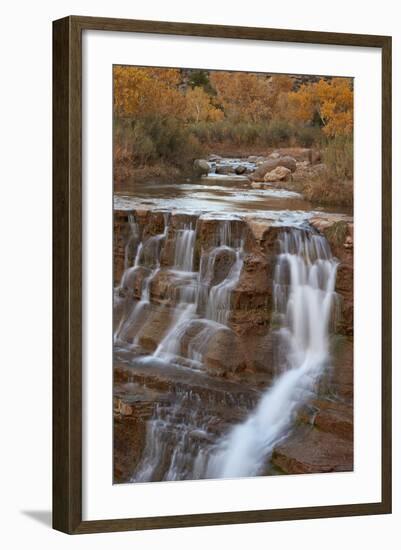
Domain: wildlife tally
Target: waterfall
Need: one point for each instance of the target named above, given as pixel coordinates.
(198, 345)
(184, 249)
(170, 344)
(133, 238)
(147, 258)
(187, 293)
(168, 436)
(190, 283)
(197, 296)
(304, 298)
(177, 434)
(218, 305)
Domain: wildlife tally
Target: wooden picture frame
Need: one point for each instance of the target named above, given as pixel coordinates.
(67, 274)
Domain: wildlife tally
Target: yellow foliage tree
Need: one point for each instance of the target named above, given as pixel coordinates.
(199, 106)
(142, 91)
(247, 96)
(242, 96)
(331, 100)
(279, 85)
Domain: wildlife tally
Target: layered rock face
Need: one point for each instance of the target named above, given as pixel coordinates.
(322, 437)
(340, 235)
(196, 345)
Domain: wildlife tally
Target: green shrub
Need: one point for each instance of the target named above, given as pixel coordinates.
(274, 134)
(201, 131)
(201, 78)
(153, 139)
(279, 132)
(308, 136)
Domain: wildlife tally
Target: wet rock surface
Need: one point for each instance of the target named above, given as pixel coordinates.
(339, 232)
(141, 388)
(322, 439)
(185, 359)
(310, 450)
(272, 164)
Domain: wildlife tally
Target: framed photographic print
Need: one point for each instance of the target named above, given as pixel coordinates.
(222, 275)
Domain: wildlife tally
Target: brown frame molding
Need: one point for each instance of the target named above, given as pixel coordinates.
(67, 274)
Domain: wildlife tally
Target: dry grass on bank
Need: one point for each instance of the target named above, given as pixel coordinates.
(126, 172)
(334, 184)
(319, 189)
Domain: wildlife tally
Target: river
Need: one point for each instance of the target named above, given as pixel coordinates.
(224, 318)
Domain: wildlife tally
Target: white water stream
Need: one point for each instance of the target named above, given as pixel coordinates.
(305, 304)
(304, 298)
(197, 297)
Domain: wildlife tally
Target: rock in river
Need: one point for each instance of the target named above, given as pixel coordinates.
(240, 169)
(271, 164)
(281, 173)
(225, 169)
(201, 166)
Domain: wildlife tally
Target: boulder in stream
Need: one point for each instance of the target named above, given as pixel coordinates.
(240, 169)
(271, 164)
(201, 166)
(225, 169)
(281, 173)
(252, 158)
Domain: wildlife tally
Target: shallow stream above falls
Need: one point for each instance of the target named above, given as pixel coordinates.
(228, 194)
(225, 314)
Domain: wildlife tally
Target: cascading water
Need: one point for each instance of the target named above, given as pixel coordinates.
(179, 442)
(197, 296)
(218, 305)
(304, 298)
(184, 249)
(134, 236)
(147, 258)
(169, 453)
(169, 346)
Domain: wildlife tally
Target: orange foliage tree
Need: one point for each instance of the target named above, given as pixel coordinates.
(331, 100)
(151, 91)
(247, 96)
(143, 91)
(200, 107)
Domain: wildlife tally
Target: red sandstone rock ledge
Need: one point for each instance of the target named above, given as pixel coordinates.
(253, 294)
(239, 361)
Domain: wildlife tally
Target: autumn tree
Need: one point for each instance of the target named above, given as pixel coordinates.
(331, 101)
(171, 115)
(147, 91)
(247, 96)
(279, 85)
(242, 95)
(151, 115)
(199, 106)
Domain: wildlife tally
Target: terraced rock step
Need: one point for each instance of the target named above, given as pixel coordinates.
(232, 352)
(162, 378)
(171, 397)
(309, 450)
